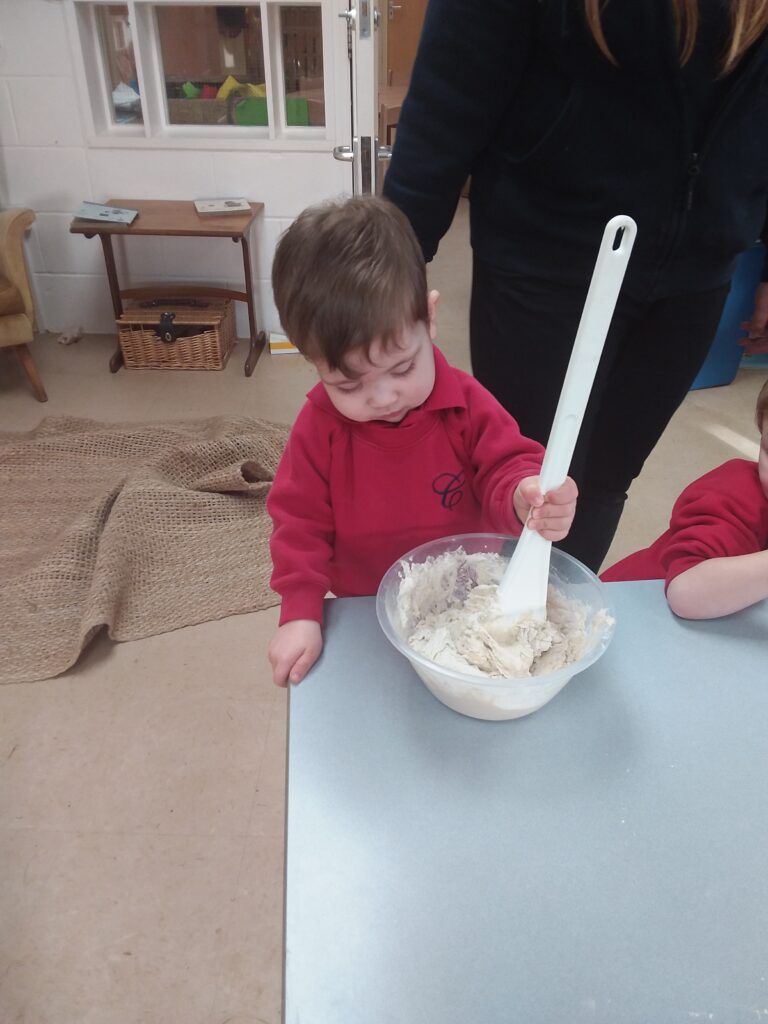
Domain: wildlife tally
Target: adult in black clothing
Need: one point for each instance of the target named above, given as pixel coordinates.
(565, 113)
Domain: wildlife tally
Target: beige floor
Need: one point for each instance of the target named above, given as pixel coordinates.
(141, 794)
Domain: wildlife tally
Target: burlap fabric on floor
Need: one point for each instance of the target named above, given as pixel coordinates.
(141, 528)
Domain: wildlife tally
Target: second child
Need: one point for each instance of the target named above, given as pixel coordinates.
(714, 556)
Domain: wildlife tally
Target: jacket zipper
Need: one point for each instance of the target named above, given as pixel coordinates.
(694, 170)
(697, 159)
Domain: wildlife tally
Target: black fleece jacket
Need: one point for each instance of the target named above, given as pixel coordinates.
(558, 140)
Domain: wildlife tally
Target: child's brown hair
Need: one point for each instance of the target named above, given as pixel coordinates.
(762, 408)
(345, 274)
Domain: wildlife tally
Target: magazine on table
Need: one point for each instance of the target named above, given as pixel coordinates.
(110, 214)
(215, 207)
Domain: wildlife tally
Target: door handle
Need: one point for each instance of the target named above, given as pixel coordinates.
(383, 152)
(345, 153)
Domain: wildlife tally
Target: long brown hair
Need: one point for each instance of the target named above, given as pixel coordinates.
(749, 19)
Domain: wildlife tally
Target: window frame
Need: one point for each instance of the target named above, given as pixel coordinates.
(156, 132)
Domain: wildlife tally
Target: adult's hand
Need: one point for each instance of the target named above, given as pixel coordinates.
(756, 327)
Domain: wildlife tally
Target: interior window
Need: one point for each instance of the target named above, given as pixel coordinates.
(302, 47)
(213, 64)
(152, 66)
(119, 63)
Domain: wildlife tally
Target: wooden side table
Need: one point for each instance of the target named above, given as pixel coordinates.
(178, 218)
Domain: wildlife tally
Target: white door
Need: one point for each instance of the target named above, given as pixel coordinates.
(363, 150)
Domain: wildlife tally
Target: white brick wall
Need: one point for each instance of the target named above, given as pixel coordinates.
(46, 164)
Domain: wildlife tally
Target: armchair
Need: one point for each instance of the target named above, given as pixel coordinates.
(17, 313)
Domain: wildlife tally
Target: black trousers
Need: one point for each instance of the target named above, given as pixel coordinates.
(521, 333)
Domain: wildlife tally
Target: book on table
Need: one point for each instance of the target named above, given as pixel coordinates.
(279, 345)
(109, 214)
(216, 207)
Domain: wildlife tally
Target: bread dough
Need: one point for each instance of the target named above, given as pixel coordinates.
(450, 614)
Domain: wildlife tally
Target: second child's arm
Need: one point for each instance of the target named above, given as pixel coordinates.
(714, 563)
(720, 586)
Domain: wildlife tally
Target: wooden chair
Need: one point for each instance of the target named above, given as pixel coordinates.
(390, 103)
(17, 313)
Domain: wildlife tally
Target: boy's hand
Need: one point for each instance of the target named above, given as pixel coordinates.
(294, 649)
(552, 514)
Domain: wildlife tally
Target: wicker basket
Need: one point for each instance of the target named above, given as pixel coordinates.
(206, 335)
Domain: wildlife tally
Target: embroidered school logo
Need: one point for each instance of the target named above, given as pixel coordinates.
(450, 488)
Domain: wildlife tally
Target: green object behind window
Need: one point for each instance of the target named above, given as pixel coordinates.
(296, 111)
(251, 111)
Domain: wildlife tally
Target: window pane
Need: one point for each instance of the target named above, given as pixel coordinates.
(302, 41)
(213, 64)
(119, 63)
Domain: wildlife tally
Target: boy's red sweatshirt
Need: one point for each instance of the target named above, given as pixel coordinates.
(349, 498)
(722, 513)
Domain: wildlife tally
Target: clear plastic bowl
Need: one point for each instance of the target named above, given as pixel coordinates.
(496, 698)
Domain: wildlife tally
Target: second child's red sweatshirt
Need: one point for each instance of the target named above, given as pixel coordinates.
(723, 513)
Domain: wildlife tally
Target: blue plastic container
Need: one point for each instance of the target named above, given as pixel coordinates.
(724, 357)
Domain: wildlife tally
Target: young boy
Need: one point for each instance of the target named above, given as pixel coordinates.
(393, 447)
(714, 557)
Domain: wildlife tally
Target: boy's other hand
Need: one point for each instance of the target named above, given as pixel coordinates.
(294, 649)
(550, 515)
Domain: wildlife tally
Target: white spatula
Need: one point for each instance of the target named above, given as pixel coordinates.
(523, 588)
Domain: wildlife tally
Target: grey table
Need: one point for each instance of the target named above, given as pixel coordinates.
(604, 860)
